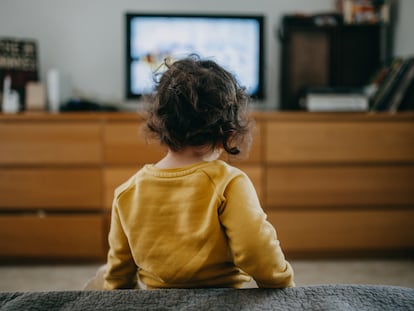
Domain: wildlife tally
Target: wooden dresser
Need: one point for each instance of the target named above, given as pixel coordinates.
(51, 187)
(340, 184)
(332, 184)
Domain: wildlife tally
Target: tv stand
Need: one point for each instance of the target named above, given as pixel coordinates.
(333, 184)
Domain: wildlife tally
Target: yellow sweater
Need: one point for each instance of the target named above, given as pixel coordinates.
(196, 226)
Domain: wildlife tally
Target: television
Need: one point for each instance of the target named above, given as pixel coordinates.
(236, 42)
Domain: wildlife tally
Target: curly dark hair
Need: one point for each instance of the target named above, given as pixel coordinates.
(198, 103)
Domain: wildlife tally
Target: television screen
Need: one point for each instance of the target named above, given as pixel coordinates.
(235, 42)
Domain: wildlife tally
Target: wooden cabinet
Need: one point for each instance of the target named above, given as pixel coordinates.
(327, 56)
(341, 184)
(332, 184)
(50, 188)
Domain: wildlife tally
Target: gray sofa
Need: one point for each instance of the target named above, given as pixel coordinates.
(320, 297)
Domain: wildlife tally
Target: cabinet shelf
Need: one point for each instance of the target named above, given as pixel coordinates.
(327, 56)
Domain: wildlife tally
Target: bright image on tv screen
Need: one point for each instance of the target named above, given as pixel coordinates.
(232, 42)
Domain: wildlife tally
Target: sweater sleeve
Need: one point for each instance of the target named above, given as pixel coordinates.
(253, 240)
(121, 268)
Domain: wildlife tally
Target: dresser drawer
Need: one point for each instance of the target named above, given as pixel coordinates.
(50, 188)
(318, 231)
(124, 143)
(53, 236)
(338, 186)
(336, 141)
(34, 143)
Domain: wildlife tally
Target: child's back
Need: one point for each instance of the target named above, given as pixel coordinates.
(192, 220)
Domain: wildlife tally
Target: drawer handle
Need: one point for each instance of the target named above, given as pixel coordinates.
(41, 213)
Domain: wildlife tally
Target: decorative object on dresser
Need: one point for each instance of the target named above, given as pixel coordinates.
(18, 60)
(335, 99)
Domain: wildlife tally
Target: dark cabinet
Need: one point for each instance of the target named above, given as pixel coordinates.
(326, 56)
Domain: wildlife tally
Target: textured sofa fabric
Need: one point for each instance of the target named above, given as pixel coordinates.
(321, 297)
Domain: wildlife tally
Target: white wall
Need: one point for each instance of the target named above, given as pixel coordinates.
(85, 38)
(404, 30)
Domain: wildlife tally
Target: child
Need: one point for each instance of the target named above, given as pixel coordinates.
(192, 220)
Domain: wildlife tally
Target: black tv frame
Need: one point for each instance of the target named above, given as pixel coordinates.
(259, 95)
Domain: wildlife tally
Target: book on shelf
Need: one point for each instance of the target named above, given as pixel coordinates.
(393, 87)
(378, 102)
(407, 101)
(327, 99)
(18, 61)
(402, 89)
